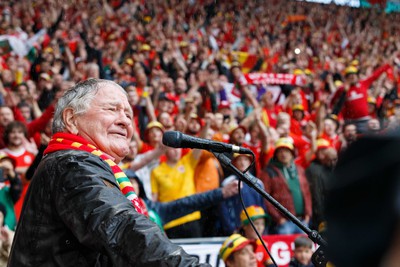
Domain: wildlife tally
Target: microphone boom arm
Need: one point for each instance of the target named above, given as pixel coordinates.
(318, 257)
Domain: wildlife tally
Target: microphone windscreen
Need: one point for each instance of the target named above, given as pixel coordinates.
(172, 139)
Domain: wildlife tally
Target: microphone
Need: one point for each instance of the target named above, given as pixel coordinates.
(179, 140)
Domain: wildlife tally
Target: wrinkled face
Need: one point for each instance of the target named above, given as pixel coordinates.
(6, 116)
(303, 255)
(107, 124)
(249, 231)
(243, 258)
(284, 155)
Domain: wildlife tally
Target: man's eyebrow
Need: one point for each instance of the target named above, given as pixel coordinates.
(110, 104)
(116, 104)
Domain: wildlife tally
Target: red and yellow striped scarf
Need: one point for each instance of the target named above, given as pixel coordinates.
(66, 141)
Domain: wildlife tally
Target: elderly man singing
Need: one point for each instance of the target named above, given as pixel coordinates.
(81, 209)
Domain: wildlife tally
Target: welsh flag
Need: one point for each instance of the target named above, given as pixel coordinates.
(19, 44)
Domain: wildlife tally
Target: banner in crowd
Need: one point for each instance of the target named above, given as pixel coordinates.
(392, 6)
(206, 249)
(293, 19)
(273, 78)
(353, 3)
(247, 61)
(20, 44)
(387, 5)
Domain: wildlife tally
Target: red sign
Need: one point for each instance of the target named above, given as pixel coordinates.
(281, 247)
(206, 249)
(273, 78)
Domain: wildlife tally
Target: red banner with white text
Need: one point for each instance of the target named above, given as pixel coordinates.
(273, 78)
(206, 249)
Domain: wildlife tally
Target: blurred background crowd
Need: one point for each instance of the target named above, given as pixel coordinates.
(295, 82)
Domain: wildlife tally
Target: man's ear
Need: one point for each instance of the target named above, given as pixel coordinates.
(70, 122)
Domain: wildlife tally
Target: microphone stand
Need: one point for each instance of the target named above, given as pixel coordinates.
(318, 257)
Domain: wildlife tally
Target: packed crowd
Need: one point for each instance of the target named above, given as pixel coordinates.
(295, 82)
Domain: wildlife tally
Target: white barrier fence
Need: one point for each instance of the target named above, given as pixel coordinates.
(206, 249)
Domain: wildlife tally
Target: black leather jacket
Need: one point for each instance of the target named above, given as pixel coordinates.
(75, 215)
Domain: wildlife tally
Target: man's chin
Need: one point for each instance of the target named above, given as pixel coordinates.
(119, 153)
(117, 158)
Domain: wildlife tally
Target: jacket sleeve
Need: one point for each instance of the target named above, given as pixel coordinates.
(375, 75)
(40, 123)
(91, 205)
(169, 211)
